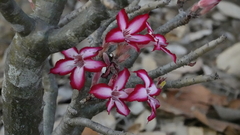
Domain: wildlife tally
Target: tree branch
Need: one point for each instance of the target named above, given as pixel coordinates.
(95, 126)
(20, 21)
(181, 19)
(73, 14)
(49, 10)
(190, 81)
(49, 98)
(78, 29)
(82, 104)
(180, 62)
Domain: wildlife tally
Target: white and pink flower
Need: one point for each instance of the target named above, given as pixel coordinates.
(146, 92)
(77, 62)
(159, 42)
(114, 92)
(127, 30)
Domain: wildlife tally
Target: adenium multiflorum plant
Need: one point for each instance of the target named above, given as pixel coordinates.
(108, 65)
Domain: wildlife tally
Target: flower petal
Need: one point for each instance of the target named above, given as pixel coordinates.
(106, 58)
(101, 91)
(63, 67)
(110, 105)
(122, 108)
(208, 3)
(115, 35)
(139, 94)
(206, 10)
(122, 19)
(137, 24)
(153, 90)
(174, 57)
(142, 39)
(144, 76)
(77, 78)
(149, 29)
(121, 80)
(162, 41)
(93, 66)
(96, 77)
(129, 90)
(134, 45)
(154, 104)
(69, 53)
(88, 52)
(123, 95)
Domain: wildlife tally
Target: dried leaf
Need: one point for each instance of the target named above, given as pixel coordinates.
(89, 131)
(181, 101)
(234, 104)
(231, 131)
(212, 123)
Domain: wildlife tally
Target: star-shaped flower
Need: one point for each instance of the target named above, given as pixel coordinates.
(115, 92)
(146, 92)
(127, 30)
(77, 62)
(160, 42)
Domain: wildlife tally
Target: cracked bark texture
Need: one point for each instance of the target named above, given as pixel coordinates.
(22, 89)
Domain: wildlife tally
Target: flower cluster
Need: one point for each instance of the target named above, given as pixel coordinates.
(126, 37)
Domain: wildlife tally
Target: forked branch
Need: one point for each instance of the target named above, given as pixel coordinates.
(20, 21)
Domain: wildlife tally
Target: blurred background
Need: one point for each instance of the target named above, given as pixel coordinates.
(211, 108)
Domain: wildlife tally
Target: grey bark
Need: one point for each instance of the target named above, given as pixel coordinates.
(20, 22)
(22, 87)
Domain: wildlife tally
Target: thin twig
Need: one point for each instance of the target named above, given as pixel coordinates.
(190, 81)
(95, 126)
(133, 3)
(78, 29)
(49, 98)
(20, 21)
(180, 62)
(69, 17)
(181, 19)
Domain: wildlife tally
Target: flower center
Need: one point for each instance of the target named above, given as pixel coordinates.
(148, 90)
(115, 93)
(78, 60)
(126, 34)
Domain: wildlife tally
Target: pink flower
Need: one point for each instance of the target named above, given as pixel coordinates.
(160, 42)
(146, 92)
(77, 62)
(115, 92)
(208, 3)
(205, 5)
(127, 30)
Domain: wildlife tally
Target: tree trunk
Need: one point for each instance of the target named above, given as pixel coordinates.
(22, 89)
